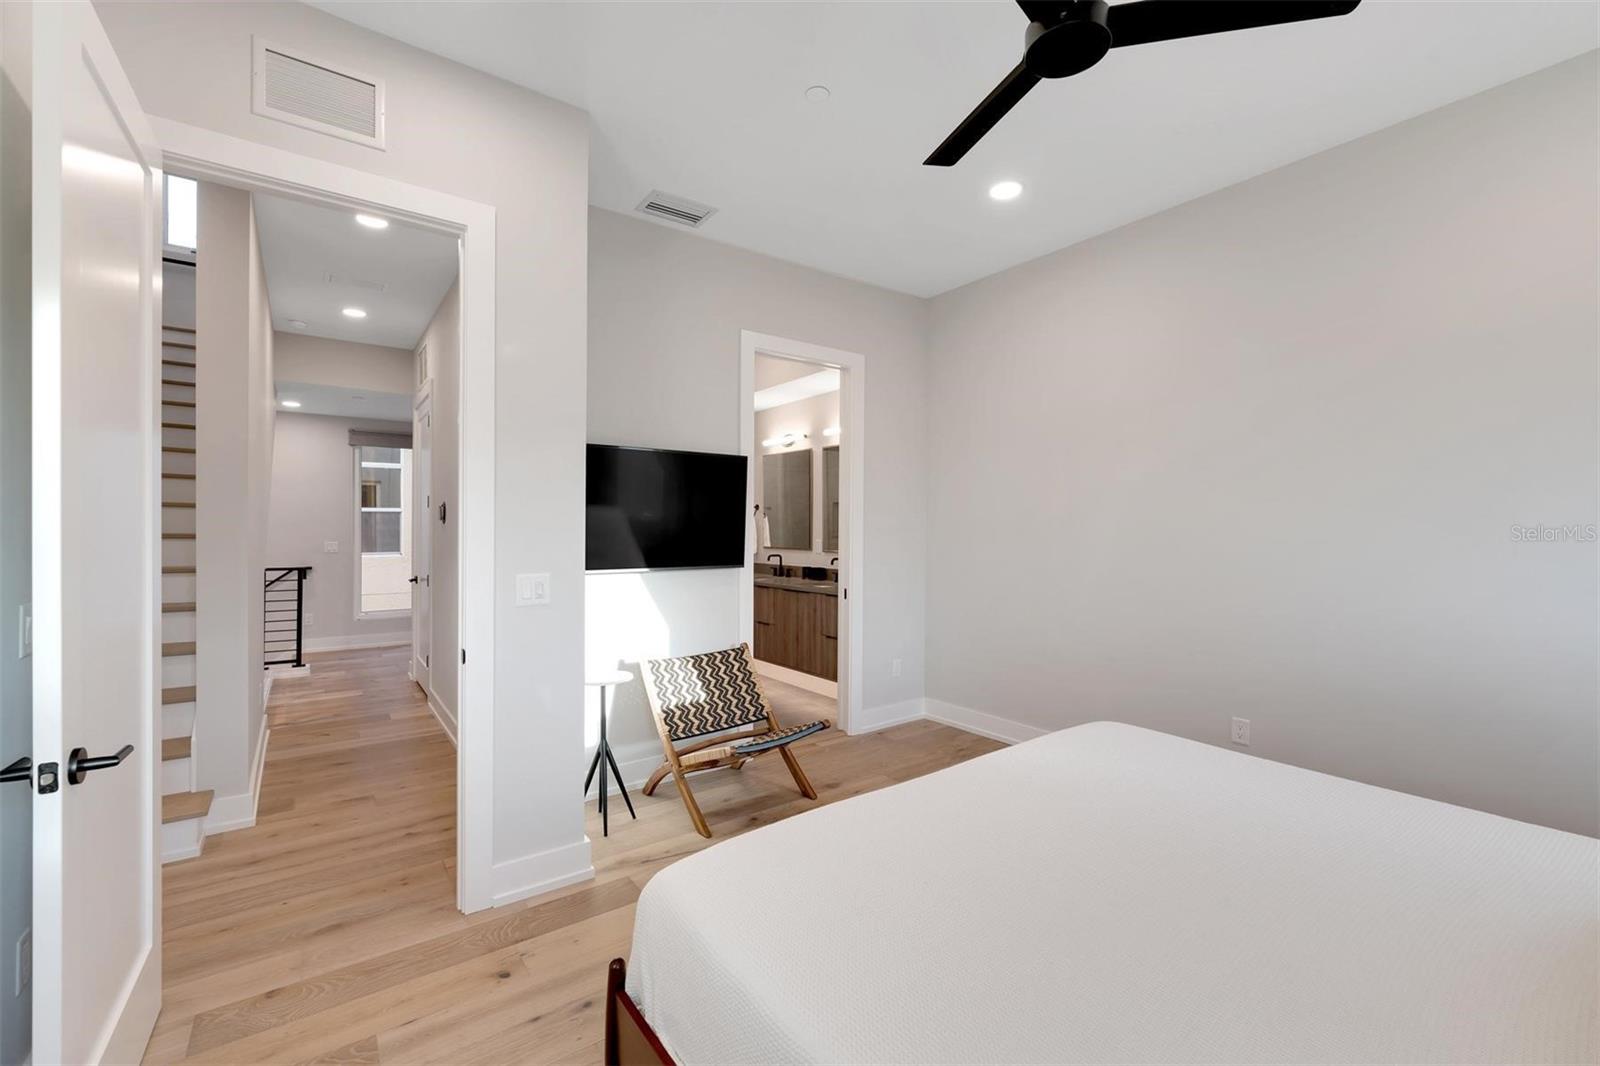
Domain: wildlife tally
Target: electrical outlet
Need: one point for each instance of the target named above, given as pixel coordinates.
(1241, 732)
(310, 619)
(894, 668)
(331, 547)
(24, 974)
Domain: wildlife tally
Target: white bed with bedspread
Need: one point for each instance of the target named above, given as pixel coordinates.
(1112, 894)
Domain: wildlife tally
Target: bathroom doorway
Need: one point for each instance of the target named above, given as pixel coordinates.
(802, 589)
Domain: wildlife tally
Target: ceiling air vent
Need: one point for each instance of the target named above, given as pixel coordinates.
(674, 209)
(295, 88)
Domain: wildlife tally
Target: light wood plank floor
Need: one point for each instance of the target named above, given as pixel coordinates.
(329, 932)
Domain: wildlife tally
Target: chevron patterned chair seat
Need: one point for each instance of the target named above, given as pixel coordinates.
(699, 698)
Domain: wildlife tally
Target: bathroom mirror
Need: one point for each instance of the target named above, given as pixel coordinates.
(830, 498)
(786, 498)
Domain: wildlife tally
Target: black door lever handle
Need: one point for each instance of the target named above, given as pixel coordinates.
(21, 770)
(80, 762)
(413, 579)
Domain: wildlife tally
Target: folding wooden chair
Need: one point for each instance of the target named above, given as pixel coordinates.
(696, 695)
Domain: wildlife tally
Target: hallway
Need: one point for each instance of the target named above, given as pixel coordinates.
(353, 850)
(328, 932)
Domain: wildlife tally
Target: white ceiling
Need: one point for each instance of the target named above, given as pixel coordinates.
(795, 389)
(318, 260)
(706, 100)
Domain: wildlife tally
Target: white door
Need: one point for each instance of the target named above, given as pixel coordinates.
(96, 294)
(422, 543)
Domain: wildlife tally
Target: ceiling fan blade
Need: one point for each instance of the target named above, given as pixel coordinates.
(1144, 21)
(994, 107)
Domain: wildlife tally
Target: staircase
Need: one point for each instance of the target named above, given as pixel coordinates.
(183, 809)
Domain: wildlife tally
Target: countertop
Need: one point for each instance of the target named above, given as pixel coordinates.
(798, 584)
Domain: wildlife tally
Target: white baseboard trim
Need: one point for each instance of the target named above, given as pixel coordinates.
(239, 810)
(980, 722)
(888, 715)
(356, 643)
(541, 872)
(447, 721)
(820, 685)
(287, 670)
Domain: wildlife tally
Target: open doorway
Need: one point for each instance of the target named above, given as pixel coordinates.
(301, 343)
(801, 604)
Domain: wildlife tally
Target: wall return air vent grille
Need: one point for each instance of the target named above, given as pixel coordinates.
(674, 209)
(293, 87)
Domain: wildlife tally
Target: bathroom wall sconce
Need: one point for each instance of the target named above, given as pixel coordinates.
(786, 440)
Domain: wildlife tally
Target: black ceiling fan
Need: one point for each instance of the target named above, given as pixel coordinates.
(1066, 37)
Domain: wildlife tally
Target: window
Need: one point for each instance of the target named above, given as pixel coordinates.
(383, 517)
(183, 212)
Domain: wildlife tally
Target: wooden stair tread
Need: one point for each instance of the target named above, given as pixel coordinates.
(179, 477)
(177, 425)
(178, 329)
(178, 503)
(177, 694)
(181, 806)
(177, 381)
(177, 449)
(177, 569)
(177, 344)
(176, 608)
(176, 748)
(177, 403)
(174, 648)
(178, 362)
(177, 536)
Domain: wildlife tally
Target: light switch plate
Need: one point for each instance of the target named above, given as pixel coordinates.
(331, 547)
(533, 590)
(24, 630)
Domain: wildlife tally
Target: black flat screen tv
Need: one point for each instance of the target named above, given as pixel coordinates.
(650, 509)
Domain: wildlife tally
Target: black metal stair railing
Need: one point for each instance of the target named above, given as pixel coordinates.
(283, 600)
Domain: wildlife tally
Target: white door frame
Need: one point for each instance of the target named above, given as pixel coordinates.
(852, 520)
(421, 517)
(217, 157)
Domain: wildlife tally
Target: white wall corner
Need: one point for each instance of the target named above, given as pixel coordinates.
(541, 872)
(239, 811)
(887, 715)
(985, 725)
(447, 721)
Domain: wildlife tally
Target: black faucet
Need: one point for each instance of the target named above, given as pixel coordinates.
(834, 561)
(780, 562)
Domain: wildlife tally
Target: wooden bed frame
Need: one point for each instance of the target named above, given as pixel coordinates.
(629, 1039)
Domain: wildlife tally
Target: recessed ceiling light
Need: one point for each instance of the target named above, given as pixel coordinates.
(818, 93)
(353, 312)
(288, 403)
(1005, 190)
(295, 323)
(373, 221)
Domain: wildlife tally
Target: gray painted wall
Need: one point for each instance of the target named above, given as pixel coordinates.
(16, 489)
(459, 131)
(345, 364)
(1262, 455)
(665, 313)
(233, 441)
(313, 500)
